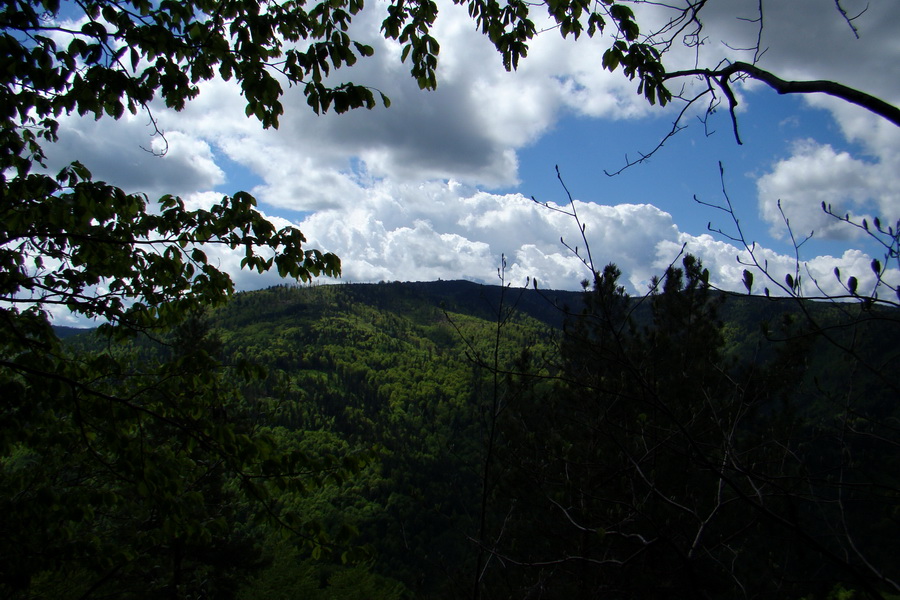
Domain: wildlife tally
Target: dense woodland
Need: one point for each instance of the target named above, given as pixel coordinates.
(448, 439)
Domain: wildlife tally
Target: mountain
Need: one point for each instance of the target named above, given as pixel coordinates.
(63, 332)
(472, 447)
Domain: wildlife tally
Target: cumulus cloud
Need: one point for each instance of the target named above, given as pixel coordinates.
(128, 154)
(812, 40)
(727, 262)
(815, 174)
(408, 193)
(446, 230)
(469, 130)
(419, 242)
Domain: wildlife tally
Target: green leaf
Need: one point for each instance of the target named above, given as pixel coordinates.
(611, 59)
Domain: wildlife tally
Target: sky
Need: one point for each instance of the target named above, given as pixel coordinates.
(440, 185)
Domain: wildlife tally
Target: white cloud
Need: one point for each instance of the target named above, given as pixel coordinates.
(448, 231)
(422, 232)
(127, 154)
(404, 193)
(727, 263)
(811, 40)
(415, 241)
(816, 173)
(444, 230)
(469, 130)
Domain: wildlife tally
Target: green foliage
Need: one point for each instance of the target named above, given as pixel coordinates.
(114, 476)
(162, 465)
(383, 372)
(137, 455)
(123, 473)
(290, 576)
(670, 435)
(128, 468)
(80, 234)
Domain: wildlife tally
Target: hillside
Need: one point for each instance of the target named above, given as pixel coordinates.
(408, 369)
(451, 428)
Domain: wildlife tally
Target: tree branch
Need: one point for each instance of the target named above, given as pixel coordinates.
(831, 88)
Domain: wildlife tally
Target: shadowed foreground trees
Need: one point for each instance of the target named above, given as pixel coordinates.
(674, 451)
(124, 475)
(662, 465)
(136, 474)
(116, 480)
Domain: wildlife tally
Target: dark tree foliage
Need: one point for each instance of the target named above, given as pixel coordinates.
(123, 477)
(624, 470)
(664, 466)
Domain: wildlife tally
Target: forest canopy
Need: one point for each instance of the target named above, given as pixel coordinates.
(449, 439)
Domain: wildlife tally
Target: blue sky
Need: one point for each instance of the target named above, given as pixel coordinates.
(586, 149)
(439, 185)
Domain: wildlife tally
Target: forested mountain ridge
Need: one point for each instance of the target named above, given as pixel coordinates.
(460, 296)
(399, 369)
(407, 368)
(748, 321)
(467, 440)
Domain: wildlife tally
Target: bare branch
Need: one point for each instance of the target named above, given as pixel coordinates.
(850, 19)
(677, 127)
(722, 77)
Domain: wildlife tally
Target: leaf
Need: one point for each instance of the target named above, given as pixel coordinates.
(620, 12)
(611, 59)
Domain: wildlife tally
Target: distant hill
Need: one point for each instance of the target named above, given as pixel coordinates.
(466, 297)
(448, 315)
(63, 332)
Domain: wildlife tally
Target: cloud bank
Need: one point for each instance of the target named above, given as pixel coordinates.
(411, 192)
